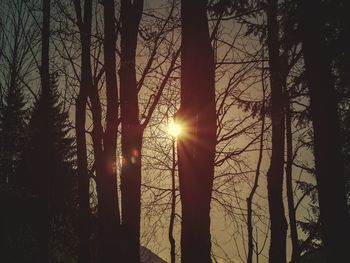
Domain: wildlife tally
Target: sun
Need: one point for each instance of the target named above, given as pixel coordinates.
(174, 129)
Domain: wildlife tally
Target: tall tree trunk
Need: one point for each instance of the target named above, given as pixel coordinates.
(44, 180)
(83, 177)
(277, 253)
(196, 148)
(289, 185)
(256, 181)
(132, 132)
(105, 144)
(84, 255)
(327, 145)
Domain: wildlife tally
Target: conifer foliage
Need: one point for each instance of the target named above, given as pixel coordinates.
(13, 113)
(48, 141)
(47, 164)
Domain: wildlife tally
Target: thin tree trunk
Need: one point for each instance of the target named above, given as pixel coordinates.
(256, 246)
(289, 185)
(45, 35)
(196, 149)
(255, 186)
(132, 132)
(173, 204)
(84, 255)
(277, 253)
(44, 180)
(83, 178)
(327, 145)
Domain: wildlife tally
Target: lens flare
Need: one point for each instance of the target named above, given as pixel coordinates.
(174, 129)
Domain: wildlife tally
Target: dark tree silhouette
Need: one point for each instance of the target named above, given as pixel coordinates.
(279, 226)
(105, 145)
(131, 137)
(84, 24)
(173, 204)
(196, 148)
(289, 58)
(256, 179)
(15, 57)
(327, 145)
(50, 142)
(289, 183)
(12, 126)
(42, 176)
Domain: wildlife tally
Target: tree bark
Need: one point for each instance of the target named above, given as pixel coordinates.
(196, 148)
(327, 144)
(289, 185)
(277, 252)
(132, 132)
(84, 255)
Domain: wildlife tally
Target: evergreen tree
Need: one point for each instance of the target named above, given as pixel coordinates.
(48, 121)
(47, 167)
(12, 121)
(327, 135)
(338, 30)
(310, 224)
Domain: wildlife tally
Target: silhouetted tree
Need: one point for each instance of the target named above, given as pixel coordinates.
(40, 176)
(84, 21)
(173, 203)
(105, 146)
(15, 54)
(279, 226)
(327, 144)
(256, 179)
(12, 130)
(339, 47)
(196, 148)
(311, 225)
(131, 137)
(58, 153)
(289, 183)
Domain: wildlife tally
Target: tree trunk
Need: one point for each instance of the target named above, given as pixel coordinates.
(173, 204)
(83, 178)
(112, 225)
(45, 35)
(277, 253)
(44, 175)
(131, 190)
(327, 145)
(256, 181)
(132, 131)
(84, 255)
(105, 144)
(196, 148)
(289, 185)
